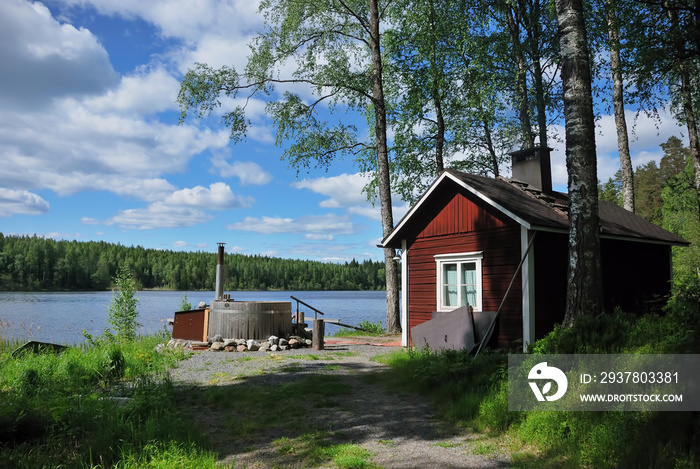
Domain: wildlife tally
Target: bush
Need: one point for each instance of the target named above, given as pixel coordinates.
(122, 309)
(372, 327)
(185, 304)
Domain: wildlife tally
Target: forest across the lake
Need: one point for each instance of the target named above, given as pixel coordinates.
(33, 263)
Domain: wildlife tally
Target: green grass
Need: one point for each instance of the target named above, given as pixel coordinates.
(104, 405)
(319, 447)
(473, 393)
(371, 329)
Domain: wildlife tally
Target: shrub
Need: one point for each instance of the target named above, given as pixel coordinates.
(185, 304)
(122, 309)
(373, 327)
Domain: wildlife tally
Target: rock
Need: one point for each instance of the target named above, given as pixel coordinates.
(201, 305)
(172, 343)
(274, 340)
(294, 343)
(266, 347)
(240, 342)
(283, 342)
(284, 347)
(196, 343)
(253, 345)
(241, 348)
(229, 342)
(230, 348)
(216, 338)
(274, 348)
(308, 342)
(217, 346)
(159, 348)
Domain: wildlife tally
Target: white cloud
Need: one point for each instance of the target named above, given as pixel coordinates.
(248, 172)
(79, 127)
(158, 215)
(144, 92)
(89, 221)
(179, 244)
(32, 41)
(21, 202)
(187, 20)
(181, 208)
(645, 136)
(319, 237)
(218, 197)
(344, 190)
(329, 224)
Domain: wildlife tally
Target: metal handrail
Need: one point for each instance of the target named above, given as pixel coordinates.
(308, 306)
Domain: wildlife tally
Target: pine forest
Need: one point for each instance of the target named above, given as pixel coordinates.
(38, 264)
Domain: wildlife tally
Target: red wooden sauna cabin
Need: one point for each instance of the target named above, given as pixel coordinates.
(463, 241)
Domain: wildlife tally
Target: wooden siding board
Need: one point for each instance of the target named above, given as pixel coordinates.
(464, 226)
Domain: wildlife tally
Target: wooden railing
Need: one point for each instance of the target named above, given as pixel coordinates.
(316, 311)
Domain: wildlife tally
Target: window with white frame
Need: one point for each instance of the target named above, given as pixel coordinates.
(459, 280)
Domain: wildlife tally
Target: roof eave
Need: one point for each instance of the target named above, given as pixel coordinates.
(393, 236)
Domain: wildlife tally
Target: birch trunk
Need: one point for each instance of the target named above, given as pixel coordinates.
(619, 107)
(584, 287)
(520, 79)
(687, 97)
(393, 320)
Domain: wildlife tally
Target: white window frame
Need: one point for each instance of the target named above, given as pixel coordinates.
(441, 260)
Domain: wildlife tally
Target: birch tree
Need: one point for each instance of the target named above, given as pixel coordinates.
(446, 110)
(665, 54)
(334, 47)
(627, 172)
(584, 287)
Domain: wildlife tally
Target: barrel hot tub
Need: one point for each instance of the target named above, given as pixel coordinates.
(250, 319)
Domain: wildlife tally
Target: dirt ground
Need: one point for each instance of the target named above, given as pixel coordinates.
(397, 430)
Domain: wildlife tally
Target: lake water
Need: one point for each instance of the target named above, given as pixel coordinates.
(61, 317)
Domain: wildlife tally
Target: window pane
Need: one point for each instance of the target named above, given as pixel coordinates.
(469, 295)
(468, 273)
(449, 274)
(449, 295)
(468, 284)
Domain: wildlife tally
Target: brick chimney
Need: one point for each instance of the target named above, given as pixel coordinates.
(533, 166)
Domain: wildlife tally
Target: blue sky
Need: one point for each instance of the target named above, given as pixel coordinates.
(91, 149)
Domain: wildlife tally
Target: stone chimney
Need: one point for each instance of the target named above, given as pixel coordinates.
(533, 166)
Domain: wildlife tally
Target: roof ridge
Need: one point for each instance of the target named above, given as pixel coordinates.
(538, 194)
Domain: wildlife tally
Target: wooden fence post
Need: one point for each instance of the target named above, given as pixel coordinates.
(317, 334)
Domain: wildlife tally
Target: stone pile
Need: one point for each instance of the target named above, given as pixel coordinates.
(219, 344)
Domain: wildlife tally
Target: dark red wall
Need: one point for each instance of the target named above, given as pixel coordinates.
(458, 225)
(456, 222)
(634, 275)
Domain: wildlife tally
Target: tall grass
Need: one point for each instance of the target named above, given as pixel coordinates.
(100, 405)
(474, 392)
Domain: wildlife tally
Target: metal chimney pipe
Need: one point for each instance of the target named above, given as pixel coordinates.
(220, 272)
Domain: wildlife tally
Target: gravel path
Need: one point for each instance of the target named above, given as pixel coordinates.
(399, 430)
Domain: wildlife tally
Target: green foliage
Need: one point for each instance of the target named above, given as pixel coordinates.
(33, 263)
(185, 305)
(475, 391)
(95, 406)
(372, 327)
(122, 309)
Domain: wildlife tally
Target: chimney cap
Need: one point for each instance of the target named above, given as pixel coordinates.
(527, 151)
